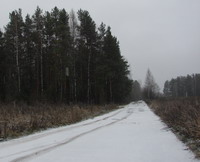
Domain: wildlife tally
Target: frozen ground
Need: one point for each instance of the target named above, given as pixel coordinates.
(130, 134)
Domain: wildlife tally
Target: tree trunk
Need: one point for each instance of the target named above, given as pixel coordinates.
(41, 65)
(111, 94)
(88, 86)
(61, 80)
(75, 82)
(17, 57)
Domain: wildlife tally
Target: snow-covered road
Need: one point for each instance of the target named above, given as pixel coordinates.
(130, 134)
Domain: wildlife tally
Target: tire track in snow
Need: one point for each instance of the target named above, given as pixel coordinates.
(48, 149)
(17, 142)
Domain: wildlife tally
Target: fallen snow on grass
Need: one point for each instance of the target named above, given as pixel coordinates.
(131, 134)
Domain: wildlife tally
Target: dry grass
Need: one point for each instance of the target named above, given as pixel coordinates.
(17, 120)
(183, 116)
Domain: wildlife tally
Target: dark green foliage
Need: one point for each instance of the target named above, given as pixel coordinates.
(87, 44)
(2, 68)
(183, 86)
(14, 55)
(49, 57)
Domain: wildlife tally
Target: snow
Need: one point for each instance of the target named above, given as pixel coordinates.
(131, 134)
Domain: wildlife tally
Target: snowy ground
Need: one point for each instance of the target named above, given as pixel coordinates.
(131, 134)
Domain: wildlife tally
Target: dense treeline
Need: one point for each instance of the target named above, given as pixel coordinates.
(61, 57)
(184, 86)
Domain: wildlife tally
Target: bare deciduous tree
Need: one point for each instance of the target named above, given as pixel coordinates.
(151, 89)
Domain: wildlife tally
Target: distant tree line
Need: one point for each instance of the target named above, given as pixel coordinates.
(136, 91)
(61, 57)
(149, 91)
(183, 86)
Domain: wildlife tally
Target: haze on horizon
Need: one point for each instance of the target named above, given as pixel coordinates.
(161, 35)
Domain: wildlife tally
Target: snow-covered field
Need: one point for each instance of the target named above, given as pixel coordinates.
(130, 134)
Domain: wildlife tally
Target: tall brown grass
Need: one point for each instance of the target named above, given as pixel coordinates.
(20, 119)
(182, 115)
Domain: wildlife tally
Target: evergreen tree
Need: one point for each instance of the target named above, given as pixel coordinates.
(28, 60)
(14, 49)
(100, 62)
(38, 39)
(87, 49)
(58, 42)
(115, 70)
(2, 68)
(73, 23)
(64, 53)
(50, 58)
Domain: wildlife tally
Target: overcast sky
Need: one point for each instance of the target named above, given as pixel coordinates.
(163, 35)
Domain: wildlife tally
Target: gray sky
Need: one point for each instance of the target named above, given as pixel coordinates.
(161, 35)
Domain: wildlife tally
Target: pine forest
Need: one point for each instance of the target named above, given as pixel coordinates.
(61, 57)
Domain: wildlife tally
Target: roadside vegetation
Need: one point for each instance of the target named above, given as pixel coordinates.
(178, 106)
(182, 115)
(22, 119)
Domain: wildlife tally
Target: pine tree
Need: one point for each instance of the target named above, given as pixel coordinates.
(15, 50)
(2, 68)
(100, 91)
(28, 59)
(50, 58)
(38, 35)
(87, 45)
(116, 70)
(73, 23)
(64, 53)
